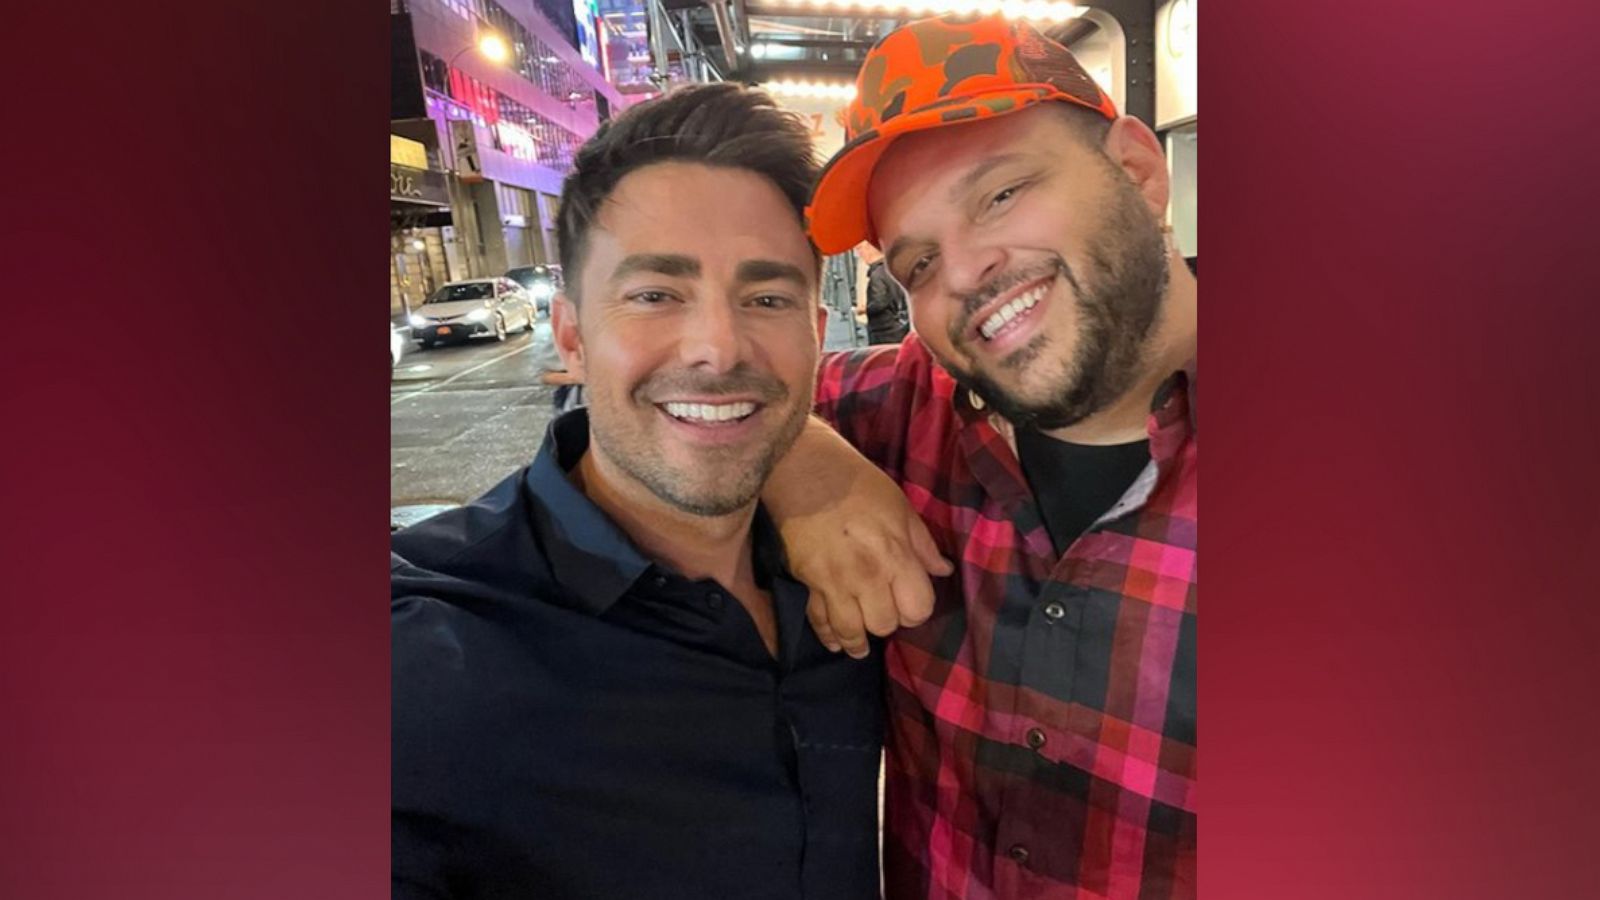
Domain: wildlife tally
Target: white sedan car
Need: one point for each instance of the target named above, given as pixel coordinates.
(467, 309)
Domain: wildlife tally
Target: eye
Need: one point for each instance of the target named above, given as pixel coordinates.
(918, 269)
(651, 298)
(772, 301)
(1005, 195)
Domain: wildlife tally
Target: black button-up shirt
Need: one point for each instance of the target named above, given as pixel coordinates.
(571, 720)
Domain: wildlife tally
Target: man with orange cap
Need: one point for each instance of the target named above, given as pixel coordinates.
(1041, 423)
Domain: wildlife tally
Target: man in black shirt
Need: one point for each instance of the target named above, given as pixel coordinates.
(886, 306)
(604, 684)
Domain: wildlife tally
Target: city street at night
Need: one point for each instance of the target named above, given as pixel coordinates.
(464, 416)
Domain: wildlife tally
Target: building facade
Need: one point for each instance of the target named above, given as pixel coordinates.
(479, 147)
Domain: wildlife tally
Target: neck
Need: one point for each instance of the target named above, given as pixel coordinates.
(715, 547)
(1172, 344)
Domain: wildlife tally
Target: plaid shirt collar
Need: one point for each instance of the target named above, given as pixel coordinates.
(1177, 393)
(1172, 421)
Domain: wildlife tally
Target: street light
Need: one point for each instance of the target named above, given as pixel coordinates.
(493, 47)
(490, 46)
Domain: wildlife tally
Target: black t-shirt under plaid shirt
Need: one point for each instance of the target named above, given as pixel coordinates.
(1041, 739)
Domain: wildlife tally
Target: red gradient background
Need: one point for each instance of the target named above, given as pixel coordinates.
(1399, 651)
(194, 647)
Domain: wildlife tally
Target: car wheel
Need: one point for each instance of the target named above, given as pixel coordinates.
(427, 345)
(499, 328)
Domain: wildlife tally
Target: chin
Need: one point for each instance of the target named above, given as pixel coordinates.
(709, 503)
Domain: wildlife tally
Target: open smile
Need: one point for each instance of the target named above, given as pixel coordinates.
(710, 413)
(716, 422)
(1010, 317)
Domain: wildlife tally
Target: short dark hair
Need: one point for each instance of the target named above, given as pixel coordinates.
(1088, 125)
(720, 124)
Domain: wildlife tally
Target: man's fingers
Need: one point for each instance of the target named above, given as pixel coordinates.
(927, 551)
(878, 611)
(913, 596)
(844, 615)
(817, 615)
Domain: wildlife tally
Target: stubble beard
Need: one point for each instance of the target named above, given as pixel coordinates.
(724, 480)
(1117, 308)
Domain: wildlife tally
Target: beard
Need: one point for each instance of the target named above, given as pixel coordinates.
(720, 480)
(1118, 298)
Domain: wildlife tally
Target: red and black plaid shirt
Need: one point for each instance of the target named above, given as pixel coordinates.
(1042, 722)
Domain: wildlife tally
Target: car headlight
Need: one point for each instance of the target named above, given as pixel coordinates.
(543, 291)
(477, 315)
(417, 321)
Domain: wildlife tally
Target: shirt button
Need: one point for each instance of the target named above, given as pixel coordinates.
(1018, 853)
(1036, 738)
(660, 581)
(1054, 611)
(715, 599)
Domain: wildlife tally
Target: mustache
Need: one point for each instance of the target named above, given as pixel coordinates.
(741, 380)
(972, 301)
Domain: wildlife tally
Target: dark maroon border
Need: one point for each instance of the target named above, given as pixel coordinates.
(1400, 489)
(1398, 655)
(194, 653)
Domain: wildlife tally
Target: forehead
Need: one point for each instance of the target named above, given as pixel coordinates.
(714, 214)
(926, 164)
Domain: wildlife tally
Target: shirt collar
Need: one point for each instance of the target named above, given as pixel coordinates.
(1177, 393)
(590, 557)
(1172, 414)
(1180, 387)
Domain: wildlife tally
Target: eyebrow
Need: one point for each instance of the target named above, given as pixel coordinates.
(977, 172)
(669, 264)
(962, 185)
(754, 270)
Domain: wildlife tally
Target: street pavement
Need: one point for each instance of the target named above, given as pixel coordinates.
(462, 417)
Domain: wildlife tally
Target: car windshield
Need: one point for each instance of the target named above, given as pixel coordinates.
(450, 293)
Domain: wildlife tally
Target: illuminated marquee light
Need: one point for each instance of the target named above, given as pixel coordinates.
(1033, 10)
(843, 92)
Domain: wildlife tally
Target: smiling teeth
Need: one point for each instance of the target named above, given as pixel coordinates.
(709, 412)
(1011, 310)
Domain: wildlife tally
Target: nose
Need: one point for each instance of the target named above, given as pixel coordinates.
(969, 265)
(711, 336)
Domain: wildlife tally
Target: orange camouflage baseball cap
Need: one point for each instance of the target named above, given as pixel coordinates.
(929, 73)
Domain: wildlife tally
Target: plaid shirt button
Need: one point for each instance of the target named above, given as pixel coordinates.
(1054, 611)
(1018, 853)
(1036, 738)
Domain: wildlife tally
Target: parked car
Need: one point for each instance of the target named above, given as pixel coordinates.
(541, 282)
(467, 309)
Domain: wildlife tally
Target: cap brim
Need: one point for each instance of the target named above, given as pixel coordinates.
(836, 217)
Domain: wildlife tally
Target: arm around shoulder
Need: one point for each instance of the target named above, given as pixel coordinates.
(853, 538)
